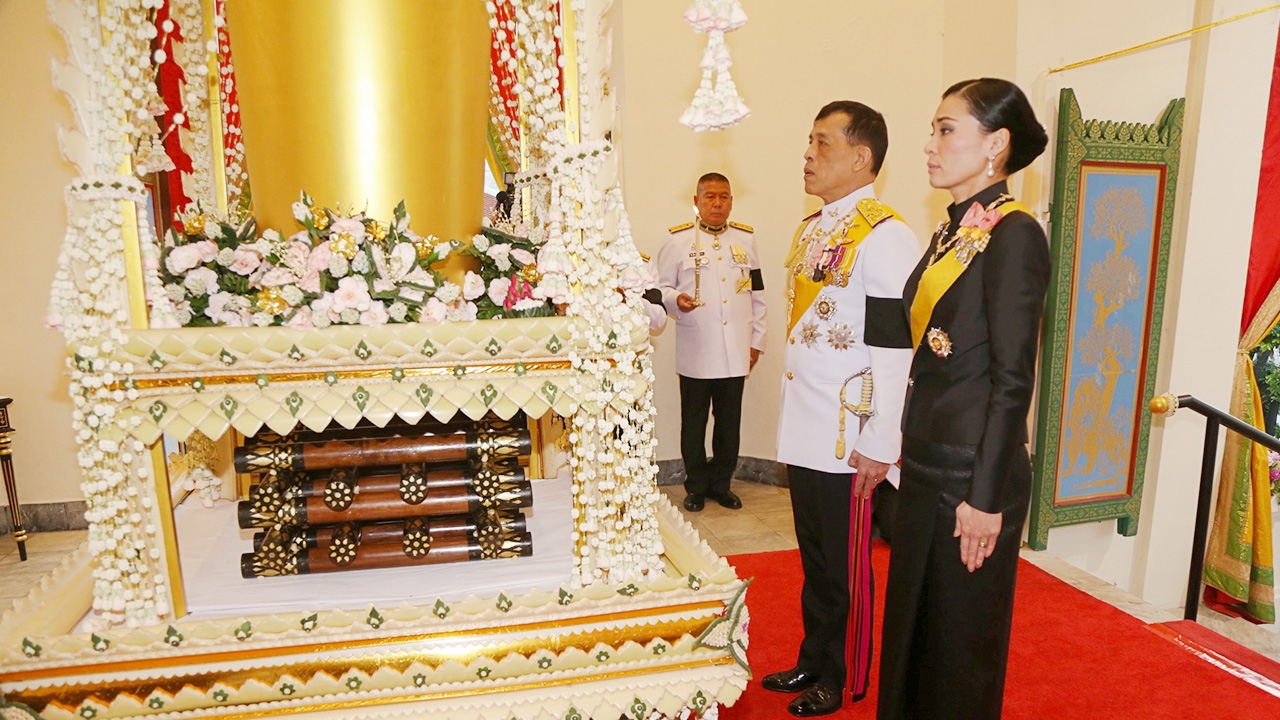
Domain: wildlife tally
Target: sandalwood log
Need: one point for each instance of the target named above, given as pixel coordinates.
(278, 558)
(488, 442)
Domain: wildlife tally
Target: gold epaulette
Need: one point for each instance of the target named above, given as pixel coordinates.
(644, 257)
(678, 228)
(740, 226)
(874, 211)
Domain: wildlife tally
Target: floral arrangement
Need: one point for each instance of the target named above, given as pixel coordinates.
(508, 274)
(339, 268)
(716, 105)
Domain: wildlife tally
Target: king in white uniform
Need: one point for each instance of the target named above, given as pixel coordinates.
(709, 275)
(847, 359)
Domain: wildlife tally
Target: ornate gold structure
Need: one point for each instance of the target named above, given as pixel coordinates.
(365, 102)
(337, 98)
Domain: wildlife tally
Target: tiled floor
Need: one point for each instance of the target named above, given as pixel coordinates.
(762, 525)
(44, 551)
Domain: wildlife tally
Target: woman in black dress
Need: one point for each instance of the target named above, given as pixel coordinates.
(974, 304)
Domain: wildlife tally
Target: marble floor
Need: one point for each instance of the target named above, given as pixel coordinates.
(762, 525)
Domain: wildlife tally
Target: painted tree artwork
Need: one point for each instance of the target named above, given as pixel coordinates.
(1110, 225)
(1096, 428)
(1107, 326)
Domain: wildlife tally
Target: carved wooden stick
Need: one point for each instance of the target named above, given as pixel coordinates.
(280, 556)
(393, 531)
(489, 442)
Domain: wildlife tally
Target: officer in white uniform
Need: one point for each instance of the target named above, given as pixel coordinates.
(846, 269)
(709, 275)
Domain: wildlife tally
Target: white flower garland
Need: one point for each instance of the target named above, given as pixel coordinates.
(90, 305)
(716, 105)
(611, 429)
(193, 58)
(232, 140)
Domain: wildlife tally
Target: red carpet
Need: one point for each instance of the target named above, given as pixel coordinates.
(1072, 656)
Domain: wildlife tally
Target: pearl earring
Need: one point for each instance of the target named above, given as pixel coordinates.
(991, 166)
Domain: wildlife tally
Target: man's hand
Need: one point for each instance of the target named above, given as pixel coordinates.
(684, 301)
(977, 531)
(869, 473)
(755, 355)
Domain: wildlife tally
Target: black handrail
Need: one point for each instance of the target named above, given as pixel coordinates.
(1214, 418)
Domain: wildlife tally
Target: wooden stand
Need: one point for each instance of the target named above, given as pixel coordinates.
(10, 484)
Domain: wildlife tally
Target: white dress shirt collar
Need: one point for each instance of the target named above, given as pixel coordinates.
(834, 211)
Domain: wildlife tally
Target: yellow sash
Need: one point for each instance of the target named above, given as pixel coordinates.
(938, 279)
(804, 290)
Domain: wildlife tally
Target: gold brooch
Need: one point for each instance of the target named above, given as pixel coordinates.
(809, 334)
(939, 343)
(825, 307)
(840, 336)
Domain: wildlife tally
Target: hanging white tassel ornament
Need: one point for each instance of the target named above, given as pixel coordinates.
(716, 104)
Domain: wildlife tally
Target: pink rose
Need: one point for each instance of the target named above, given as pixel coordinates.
(375, 315)
(208, 250)
(348, 226)
(278, 276)
(301, 319)
(472, 286)
(53, 320)
(310, 282)
(296, 255)
(352, 292)
(498, 290)
(461, 311)
(319, 258)
(524, 257)
(217, 302)
(246, 261)
(402, 260)
(433, 311)
(232, 319)
(182, 259)
(201, 281)
(323, 305)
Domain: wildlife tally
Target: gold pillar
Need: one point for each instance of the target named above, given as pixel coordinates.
(365, 103)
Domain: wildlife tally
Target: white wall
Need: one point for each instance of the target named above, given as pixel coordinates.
(32, 221)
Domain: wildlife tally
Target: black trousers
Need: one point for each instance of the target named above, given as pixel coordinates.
(723, 398)
(945, 641)
(820, 507)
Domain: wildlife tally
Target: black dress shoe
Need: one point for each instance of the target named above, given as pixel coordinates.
(693, 502)
(729, 500)
(817, 700)
(789, 681)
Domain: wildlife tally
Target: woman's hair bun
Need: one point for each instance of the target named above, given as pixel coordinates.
(1001, 104)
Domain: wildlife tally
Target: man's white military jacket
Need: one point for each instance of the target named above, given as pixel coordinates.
(723, 271)
(827, 345)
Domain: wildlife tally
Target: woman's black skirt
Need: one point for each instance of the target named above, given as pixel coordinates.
(946, 630)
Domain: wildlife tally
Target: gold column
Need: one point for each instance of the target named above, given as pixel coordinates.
(365, 103)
